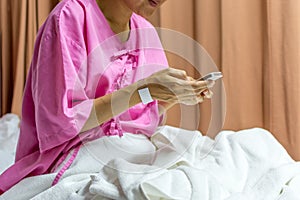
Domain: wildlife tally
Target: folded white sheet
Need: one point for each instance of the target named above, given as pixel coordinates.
(9, 133)
(175, 164)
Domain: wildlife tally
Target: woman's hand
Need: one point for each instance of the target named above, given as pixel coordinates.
(173, 85)
(169, 86)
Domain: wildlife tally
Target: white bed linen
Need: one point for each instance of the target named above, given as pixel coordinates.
(248, 164)
(9, 133)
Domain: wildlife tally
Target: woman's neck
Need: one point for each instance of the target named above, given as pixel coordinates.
(117, 14)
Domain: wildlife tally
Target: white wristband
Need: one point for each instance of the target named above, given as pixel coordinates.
(145, 95)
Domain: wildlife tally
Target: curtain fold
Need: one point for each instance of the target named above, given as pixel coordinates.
(20, 20)
(6, 50)
(242, 62)
(281, 73)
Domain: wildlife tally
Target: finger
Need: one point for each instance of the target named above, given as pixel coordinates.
(200, 84)
(189, 78)
(204, 84)
(192, 84)
(191, 101)
(177, 73)
(207, 94)
(184, 88)
(200, 99)
(192, 98)
(187, 92)
(200, 91)
(210, 83)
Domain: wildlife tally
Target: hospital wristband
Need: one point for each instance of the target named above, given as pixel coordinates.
(145, 95)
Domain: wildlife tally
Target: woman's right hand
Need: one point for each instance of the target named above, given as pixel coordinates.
(173, 85)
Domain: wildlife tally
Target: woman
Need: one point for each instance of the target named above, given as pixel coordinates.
(55, 112)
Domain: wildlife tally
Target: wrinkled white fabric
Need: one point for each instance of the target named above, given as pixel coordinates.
(176, 164)
(9, 133)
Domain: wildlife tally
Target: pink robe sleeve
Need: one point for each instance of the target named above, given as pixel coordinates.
(60, 102)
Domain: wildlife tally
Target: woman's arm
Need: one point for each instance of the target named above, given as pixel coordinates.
(110, 105)
(169, 86)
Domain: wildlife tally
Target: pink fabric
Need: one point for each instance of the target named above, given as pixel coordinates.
(76, 60)
(66, 166)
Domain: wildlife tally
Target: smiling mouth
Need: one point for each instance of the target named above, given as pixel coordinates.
(153, 3)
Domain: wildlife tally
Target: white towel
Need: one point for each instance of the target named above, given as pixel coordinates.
(9, 133)
(175, 164)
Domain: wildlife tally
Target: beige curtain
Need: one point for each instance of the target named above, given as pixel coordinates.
(20, 20)
(256, 44)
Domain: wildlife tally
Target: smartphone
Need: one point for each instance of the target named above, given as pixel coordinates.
(211, 76)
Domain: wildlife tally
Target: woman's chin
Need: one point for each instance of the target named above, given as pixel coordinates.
(146, 13)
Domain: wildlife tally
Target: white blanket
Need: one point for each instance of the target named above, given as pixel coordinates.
(176, 164)
(9, 133)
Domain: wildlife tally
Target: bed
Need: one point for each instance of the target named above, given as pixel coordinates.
(174, 164)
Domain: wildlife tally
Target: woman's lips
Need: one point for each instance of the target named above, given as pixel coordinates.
(154, 3)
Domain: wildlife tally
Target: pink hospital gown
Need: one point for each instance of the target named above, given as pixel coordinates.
(75, 60)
